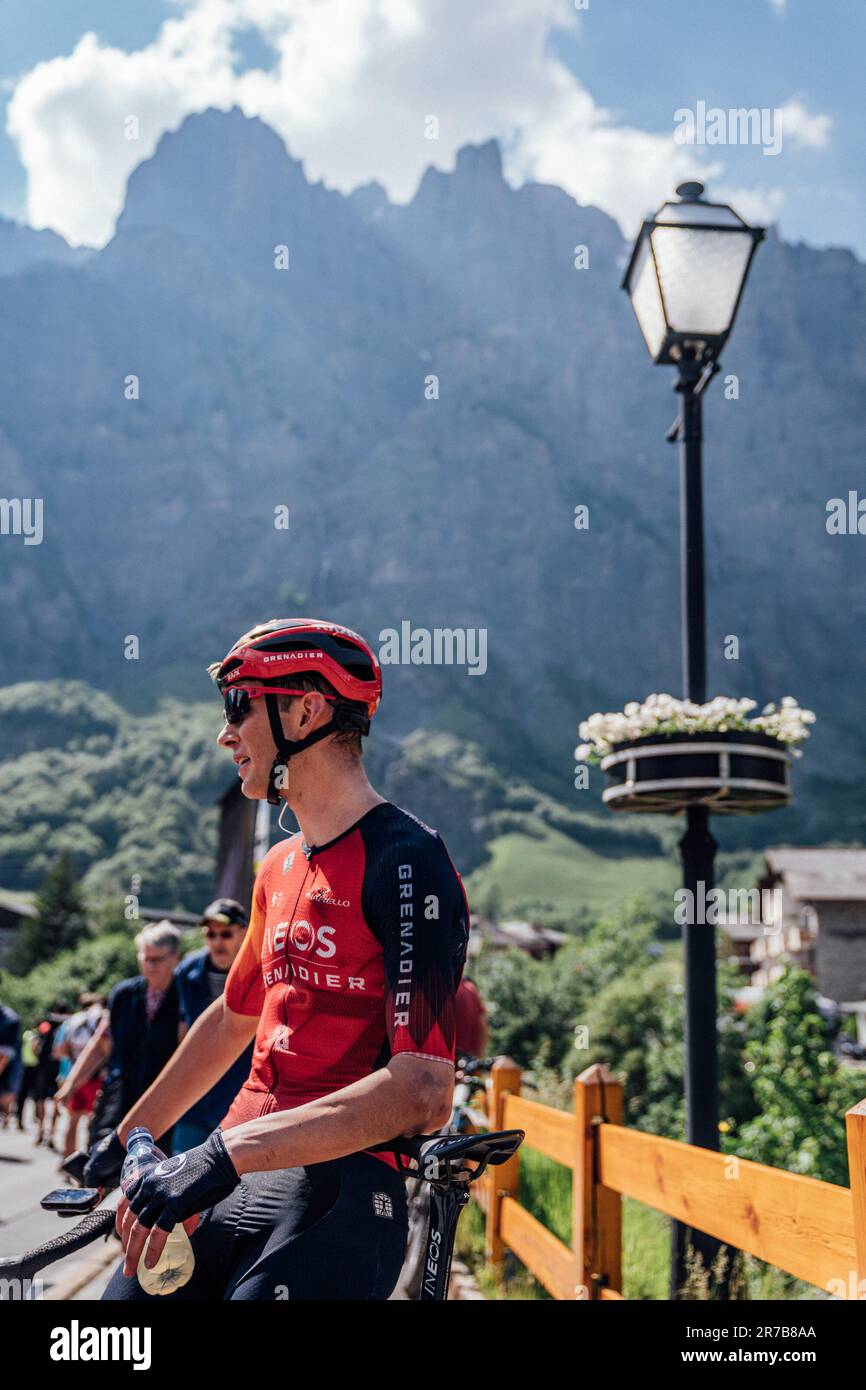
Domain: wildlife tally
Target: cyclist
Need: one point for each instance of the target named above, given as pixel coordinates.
(347, 978)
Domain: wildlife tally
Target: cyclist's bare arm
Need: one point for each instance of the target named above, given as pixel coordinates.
(411, 1095)
(213, 1043)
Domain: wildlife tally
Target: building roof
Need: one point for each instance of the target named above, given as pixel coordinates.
(820, 874)
(527, 936)
(741, 931)
(173, 915)
(18, 902)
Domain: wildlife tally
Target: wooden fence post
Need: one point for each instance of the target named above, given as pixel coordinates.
(502, 1181)
(596, 1222)
(855, 1126)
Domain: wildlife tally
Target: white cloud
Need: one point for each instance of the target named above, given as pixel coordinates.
(68, 117)
(352, 86)
(803, 128)
(577, 145)
(760, 206)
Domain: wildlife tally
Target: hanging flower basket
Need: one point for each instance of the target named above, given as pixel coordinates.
(734, 773)
(665, 755)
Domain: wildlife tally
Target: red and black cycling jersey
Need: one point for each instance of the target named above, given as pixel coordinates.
(353, 954)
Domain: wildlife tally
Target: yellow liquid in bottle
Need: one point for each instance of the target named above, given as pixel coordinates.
(173, 1268)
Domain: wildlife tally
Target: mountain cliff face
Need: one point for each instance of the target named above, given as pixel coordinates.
(23, 246)
(306, 387)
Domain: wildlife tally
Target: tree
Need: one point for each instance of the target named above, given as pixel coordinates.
(96, 964)
(534, 1007)
(801, 1090)
(60, 922)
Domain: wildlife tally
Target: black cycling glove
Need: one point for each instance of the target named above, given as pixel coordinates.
(104, 1162)
(184, 1185)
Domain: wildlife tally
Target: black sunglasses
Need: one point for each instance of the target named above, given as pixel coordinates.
(237, 700)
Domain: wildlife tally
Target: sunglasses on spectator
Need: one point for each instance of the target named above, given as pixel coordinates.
(237, 701)
(222, 933)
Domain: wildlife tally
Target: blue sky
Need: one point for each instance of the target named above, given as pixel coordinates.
(641, 58)
(584, 99)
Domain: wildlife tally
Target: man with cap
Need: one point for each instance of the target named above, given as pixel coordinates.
(200, 979)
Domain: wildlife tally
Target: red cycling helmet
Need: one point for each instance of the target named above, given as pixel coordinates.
(290, 647)
(269, 658)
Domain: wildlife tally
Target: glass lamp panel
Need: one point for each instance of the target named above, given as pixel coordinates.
(697, 214)
(646, 299)
(701, 273)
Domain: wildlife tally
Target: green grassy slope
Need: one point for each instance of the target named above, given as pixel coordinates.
(552, 872)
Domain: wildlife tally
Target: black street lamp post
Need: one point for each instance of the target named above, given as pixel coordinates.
(685, 279)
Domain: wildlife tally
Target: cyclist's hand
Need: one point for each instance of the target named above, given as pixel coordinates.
(104, 1162)
(124, 1220)
(175, 1190)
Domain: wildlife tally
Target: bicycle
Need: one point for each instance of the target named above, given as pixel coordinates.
(468, 1079)
(441, 1161)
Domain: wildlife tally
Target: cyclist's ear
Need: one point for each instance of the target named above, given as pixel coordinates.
(309, 707)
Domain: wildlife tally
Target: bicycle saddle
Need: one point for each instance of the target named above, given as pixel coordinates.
(432, 1156)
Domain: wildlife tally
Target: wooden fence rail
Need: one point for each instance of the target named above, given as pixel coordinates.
(813, 1230)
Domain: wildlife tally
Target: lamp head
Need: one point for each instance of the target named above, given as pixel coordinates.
(686, 275)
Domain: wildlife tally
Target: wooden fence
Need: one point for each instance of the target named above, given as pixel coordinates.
(813, 1230)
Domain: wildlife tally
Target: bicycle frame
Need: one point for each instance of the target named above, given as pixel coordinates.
(442, 1161)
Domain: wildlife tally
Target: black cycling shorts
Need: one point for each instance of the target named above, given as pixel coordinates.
(330, 1231)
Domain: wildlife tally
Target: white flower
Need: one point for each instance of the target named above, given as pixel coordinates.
(664, 713)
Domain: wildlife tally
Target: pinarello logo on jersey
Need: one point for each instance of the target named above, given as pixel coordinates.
(321, 895)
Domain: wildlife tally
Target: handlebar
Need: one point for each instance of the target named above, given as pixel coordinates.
(89, 1228)
(84, 1232)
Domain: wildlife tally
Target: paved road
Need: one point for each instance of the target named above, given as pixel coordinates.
(27, 1173)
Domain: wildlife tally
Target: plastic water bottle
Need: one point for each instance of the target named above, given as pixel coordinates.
(177, 1261)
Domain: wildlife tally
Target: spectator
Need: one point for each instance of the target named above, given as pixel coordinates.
(45, 1080)
(200, 979)
(471, 1026)
(136, 1037)
(29, 1069)
(71, 1040)
(10, 1060)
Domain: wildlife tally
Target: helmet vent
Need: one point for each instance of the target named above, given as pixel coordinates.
(283, 645)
